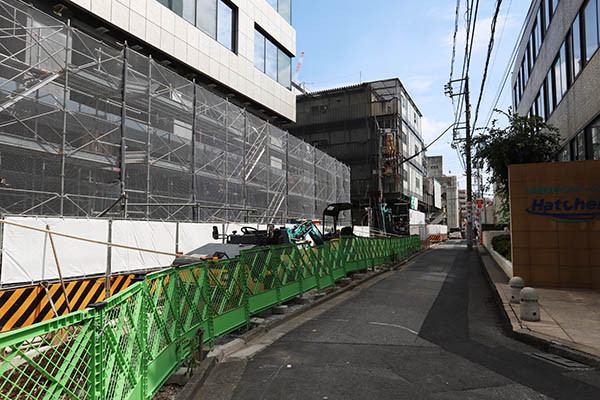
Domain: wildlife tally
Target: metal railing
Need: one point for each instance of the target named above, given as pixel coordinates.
(126, 347)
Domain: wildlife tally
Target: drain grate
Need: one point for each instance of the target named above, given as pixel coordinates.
(560, 361)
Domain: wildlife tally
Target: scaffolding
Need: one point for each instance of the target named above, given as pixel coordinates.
(84, 126)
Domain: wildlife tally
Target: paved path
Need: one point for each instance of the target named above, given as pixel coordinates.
(430, 331)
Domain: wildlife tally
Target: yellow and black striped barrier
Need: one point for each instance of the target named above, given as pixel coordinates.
(25, 306)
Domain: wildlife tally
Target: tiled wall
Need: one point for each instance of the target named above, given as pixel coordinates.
(556, 250)
(165, 30)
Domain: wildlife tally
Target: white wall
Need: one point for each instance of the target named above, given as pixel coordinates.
(162, 28)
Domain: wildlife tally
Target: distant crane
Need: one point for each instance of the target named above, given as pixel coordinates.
(298, 67)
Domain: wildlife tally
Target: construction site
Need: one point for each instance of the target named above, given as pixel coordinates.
(146, 212)
(375, 128)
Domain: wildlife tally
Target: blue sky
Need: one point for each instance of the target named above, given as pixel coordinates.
(411, 40)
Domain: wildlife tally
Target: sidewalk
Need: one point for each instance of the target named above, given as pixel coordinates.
(570, 318)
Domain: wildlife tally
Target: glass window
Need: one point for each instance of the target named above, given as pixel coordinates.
(547, 15)
(534, 47)
(225, 26)
(538, 36)
(595, 132)
(542, 104)
(285, 9)
(564, 154)
(259, 50)
(540, 23)
(206, 17)
(576, 48)
(273, 3)
(578, 144)
(536, 106)
(271, 60)
(284, 69)
(563, 69)
(515, 102)
(550, 92)
(590, 18)
(525, 70)
(188, 10)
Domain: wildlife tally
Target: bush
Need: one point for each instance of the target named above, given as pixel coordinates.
(501, 244)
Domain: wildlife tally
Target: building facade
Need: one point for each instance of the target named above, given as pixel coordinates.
(375, 128)
(556, 74)
(450, 200)
(150, 107)
(243, 47)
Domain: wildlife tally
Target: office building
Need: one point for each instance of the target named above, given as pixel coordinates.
(556, 74)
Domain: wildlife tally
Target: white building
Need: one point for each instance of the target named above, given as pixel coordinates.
(244, 46)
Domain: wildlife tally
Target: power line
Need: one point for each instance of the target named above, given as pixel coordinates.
(502, 85)
(487, 62)
(424, 149)
(454, 39)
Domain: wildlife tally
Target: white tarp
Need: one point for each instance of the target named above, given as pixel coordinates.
(142, 234)
(437, 194)
(192, 236)
(28, 257)
(362, 231)
(416, 217)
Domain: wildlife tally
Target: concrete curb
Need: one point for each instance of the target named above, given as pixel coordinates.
(191, 388)
(512, 326)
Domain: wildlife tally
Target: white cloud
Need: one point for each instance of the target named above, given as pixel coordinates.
(431, 129)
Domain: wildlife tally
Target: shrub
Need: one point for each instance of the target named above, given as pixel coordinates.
(501, 244)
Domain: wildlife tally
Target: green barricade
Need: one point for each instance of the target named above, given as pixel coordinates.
(126, 347)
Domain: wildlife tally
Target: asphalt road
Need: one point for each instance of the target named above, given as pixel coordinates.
(430, 331)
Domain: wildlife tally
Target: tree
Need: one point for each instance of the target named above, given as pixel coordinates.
(525, 140)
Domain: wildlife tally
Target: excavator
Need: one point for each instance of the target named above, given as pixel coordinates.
(252, 237)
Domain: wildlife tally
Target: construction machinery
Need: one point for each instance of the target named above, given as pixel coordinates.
(252, 237)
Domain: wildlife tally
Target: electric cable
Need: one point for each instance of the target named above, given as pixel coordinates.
(487, 62)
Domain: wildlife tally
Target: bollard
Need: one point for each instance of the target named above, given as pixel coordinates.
(530, 307)
(516, 284)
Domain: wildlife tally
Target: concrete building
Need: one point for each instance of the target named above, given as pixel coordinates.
(556, 74)
(450, 201)
(435, 166)
(171, 109)
(375, 128)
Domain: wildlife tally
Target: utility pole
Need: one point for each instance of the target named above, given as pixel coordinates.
(449, 92)
(469, 170)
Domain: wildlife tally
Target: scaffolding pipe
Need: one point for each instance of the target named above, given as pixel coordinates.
(193, 161)
(63, 143)
(123, 159)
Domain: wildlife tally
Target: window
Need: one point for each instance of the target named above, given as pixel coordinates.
(537, 29)
(576, 49)
(542, 104)
(284, 69)
(283, 7)
(590, 22)
(578, 146)
(550, 92)
(216, 18)
(547, 14)
(595, 133)
(271, 60)
(225, 25)
(564, 154)
(259, 50)
(563, 69)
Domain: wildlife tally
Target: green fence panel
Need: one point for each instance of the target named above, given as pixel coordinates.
(126, 347)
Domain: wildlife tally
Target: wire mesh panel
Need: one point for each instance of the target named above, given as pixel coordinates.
(257, 165)
(83, 123)
(92, 125)
(54, 362)
(211, 152)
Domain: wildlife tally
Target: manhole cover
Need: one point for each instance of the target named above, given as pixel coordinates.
(560, 361)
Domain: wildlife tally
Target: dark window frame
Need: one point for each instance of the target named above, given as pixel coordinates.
(279, 48)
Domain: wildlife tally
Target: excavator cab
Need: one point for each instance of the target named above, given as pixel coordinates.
(331, 221)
